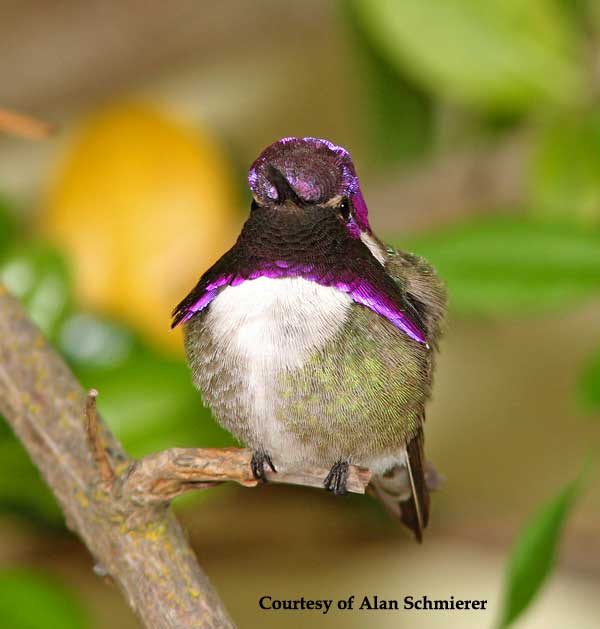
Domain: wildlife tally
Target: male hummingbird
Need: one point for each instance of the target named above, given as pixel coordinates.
(311, 340)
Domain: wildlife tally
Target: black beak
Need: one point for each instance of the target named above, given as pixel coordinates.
(285, 192)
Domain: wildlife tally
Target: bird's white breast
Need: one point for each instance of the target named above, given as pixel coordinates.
(277, 321)
(268, 326)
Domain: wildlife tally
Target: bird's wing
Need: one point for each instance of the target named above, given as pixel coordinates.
(404, 490)
(215, 278)
(370, 285)
(423, 290)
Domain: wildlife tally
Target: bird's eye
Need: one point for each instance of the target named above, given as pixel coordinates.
(344, 209)
(254, 205)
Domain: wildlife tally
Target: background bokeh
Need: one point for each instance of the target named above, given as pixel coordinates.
(475, 127)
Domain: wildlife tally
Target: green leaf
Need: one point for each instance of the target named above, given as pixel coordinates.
(589, 384)
(513, 265)
(30, 601)
(399, 114)
(505, 55)
(565, 182)
(534, 554)
(38, 275)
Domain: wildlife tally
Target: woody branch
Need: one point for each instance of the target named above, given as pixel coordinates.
(119, 506)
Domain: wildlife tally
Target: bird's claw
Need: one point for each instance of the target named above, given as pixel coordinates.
(259, 460)
(337, 478)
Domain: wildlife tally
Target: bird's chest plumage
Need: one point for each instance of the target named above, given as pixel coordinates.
(255, 335)
(297, 369)
(273, 325)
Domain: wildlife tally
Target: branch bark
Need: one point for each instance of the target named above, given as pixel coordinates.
(118, 506)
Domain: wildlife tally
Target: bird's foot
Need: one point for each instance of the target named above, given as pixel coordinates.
(259, 460)
(337, 478)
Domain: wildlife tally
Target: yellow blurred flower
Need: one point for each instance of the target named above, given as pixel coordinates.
(142, 205)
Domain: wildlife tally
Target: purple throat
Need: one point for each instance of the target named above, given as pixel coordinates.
(361, 290)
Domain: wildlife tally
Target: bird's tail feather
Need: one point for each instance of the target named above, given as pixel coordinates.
(404, 491)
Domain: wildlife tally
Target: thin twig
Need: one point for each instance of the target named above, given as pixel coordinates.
(97, 448)
(159, 477)
(24, 125)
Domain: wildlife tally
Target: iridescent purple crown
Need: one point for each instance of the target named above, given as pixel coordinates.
(316, 169)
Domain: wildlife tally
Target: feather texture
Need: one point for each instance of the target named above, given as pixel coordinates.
(310, 340)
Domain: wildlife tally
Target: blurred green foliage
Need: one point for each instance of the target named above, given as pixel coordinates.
(512, 265)
(29, 600)
(534, 553)
(502, 56)
(398, 112)
(37, 274)
(565, 182)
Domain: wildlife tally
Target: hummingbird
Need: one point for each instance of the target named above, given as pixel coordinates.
(312, 341)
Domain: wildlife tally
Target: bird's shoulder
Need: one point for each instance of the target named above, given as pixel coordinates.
(421, 285)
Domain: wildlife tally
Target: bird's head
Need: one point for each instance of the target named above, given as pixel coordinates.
(310, 173)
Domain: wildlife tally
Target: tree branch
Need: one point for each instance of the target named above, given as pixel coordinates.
(160, 477)
(116, 505)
